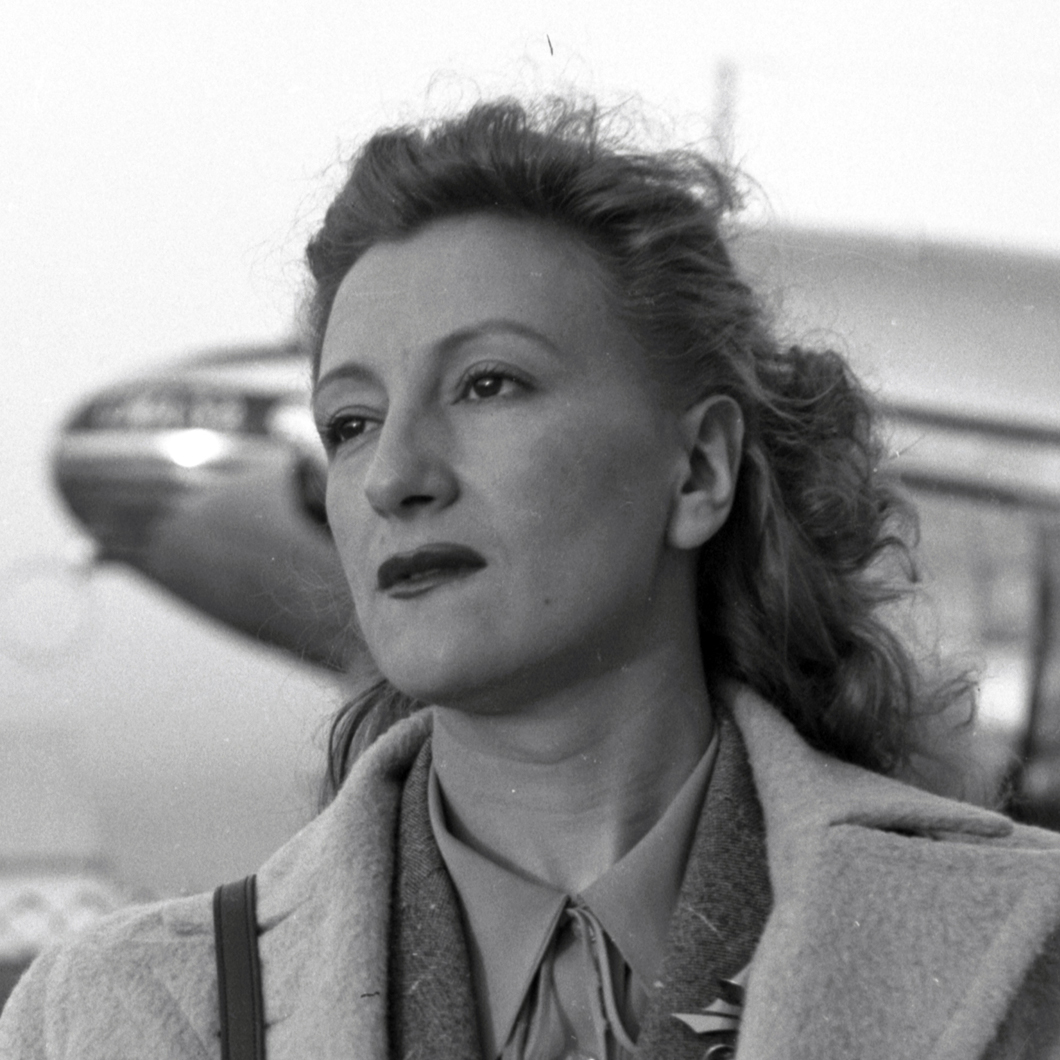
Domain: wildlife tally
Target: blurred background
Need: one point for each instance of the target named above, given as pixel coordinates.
(162, 168)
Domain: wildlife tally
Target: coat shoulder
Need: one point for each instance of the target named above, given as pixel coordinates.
(141, 982)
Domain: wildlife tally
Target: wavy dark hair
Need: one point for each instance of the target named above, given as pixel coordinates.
(792, 590)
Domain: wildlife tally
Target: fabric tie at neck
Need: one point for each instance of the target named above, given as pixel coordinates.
(572, 1008)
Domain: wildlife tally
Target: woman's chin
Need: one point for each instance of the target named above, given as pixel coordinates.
(485, 689)
(437, 681)
(441, 663)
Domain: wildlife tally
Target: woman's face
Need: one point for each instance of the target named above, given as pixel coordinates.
(501, 474)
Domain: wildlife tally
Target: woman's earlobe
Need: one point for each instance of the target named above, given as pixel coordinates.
(713, 435)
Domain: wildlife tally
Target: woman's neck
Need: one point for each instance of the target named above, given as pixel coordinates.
(561, 792)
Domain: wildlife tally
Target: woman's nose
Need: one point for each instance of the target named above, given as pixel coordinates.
(409, 470)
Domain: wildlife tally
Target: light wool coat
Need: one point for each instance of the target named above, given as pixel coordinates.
(903, 925)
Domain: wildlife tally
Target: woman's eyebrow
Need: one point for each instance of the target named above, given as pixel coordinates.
(349, 370)
(445, 347)
(496, 326)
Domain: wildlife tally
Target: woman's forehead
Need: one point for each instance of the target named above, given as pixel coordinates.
(461, 273)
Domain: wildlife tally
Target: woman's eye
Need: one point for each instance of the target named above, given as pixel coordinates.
(486, 386)
(343, 428)
(490, 384)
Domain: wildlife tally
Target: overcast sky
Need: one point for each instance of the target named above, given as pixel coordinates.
(163, 163)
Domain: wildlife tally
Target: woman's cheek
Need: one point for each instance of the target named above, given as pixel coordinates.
(344, 524)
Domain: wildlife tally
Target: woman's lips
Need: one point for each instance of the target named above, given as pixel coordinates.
(408, 573)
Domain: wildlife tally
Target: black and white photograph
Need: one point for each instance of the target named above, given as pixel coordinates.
(530, 531)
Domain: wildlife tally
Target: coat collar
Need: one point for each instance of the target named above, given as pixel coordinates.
(903, 923)
(807, 789)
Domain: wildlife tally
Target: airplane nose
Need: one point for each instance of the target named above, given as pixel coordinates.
(118, 501)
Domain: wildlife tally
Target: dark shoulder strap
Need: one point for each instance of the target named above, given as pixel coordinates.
(238, 972)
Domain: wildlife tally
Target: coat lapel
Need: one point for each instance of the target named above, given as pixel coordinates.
(904, 924)
(431, 996)
(722, 907)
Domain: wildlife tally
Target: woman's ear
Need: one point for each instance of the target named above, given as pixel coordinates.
(712, 433)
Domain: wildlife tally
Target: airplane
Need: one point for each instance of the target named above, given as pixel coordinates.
(207, 476)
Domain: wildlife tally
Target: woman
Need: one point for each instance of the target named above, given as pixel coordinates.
(633, 555)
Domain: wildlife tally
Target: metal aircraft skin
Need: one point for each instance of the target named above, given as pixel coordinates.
(207, 475)
(208, 478)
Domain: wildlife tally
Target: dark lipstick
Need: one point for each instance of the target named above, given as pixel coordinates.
(427, 565)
